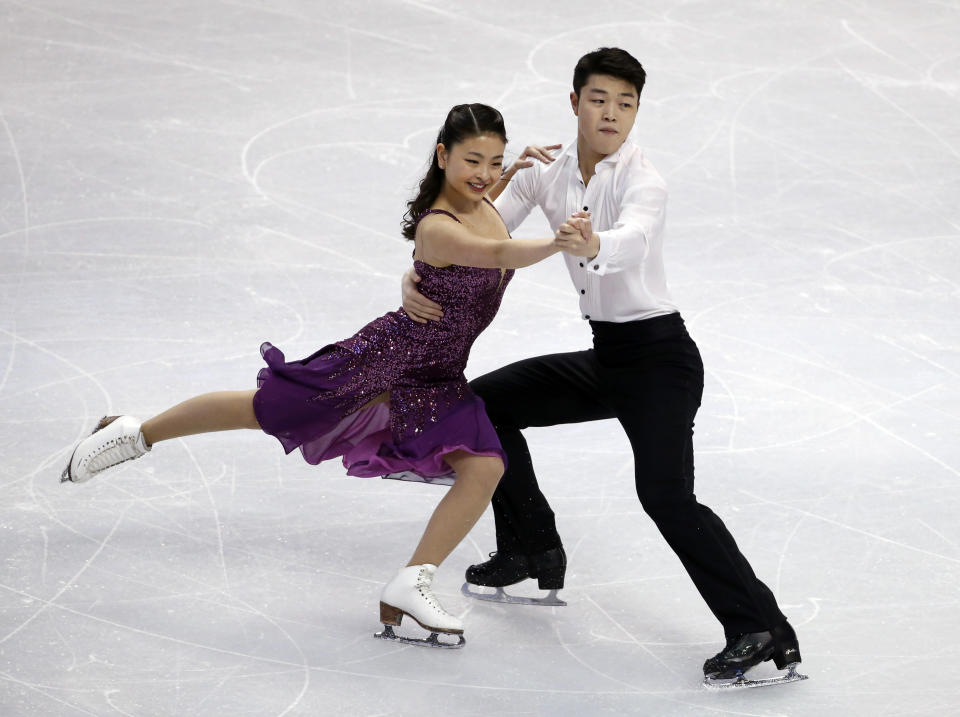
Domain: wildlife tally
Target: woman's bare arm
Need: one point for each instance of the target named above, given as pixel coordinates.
(443, 241)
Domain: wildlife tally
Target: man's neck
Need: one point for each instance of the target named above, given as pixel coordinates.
(588, 160)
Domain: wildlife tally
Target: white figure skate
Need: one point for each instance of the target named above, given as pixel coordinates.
(410, 593)
(116, 439)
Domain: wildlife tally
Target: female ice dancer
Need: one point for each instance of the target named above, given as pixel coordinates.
(393, 397)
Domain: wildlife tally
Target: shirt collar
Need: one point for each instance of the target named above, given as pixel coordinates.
(628, 146)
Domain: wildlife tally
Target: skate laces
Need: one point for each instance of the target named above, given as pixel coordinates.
(424, 586)
(114, 451)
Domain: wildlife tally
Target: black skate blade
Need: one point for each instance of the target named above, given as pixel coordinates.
(433, 641)
(741, 682)
(548, 600)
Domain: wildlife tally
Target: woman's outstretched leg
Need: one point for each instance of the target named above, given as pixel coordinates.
(410, 593)
(219, 411)
(118, 439)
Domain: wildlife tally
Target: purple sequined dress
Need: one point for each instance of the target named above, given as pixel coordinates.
(319, 404)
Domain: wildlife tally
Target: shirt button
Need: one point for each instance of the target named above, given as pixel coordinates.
(586, 209)
(596, 266)
(586, 316)
(581, 264)
(583, 291)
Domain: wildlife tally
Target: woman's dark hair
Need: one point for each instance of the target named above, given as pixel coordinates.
(463, 122)
(610, 61)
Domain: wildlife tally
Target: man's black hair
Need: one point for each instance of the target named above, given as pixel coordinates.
(610, 61)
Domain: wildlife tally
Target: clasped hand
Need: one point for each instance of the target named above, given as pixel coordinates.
(576, 236)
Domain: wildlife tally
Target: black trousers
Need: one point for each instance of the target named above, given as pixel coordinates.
(649, 376)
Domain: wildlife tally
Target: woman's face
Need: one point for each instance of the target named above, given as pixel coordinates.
(473, 165)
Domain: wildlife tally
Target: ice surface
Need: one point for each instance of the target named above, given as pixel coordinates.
(181, 181)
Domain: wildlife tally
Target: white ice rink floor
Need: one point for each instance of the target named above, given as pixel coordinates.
(182, 181)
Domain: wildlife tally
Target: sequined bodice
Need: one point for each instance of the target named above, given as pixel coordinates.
(437, 350)
(470, 298)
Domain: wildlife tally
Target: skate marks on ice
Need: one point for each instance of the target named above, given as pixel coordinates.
(595, 661)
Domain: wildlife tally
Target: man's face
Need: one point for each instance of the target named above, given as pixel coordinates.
(605, 110)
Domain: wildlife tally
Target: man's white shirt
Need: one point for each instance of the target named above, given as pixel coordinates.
(627, 201)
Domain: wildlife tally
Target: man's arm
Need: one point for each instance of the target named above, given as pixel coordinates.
(626, 244)
(418, 307)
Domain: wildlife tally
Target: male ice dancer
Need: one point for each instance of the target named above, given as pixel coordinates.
(644, 369)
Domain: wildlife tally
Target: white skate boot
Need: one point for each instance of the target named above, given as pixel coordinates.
(409, 593)
(115, 439)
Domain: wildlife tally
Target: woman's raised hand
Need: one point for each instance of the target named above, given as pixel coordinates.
(541, 153)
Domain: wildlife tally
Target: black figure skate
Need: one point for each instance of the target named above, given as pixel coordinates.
(728, 667)
(505, 569)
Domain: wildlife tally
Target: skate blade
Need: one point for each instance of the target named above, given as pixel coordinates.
(548, 600)
(433, 641)
(741, 682)
(66, 477)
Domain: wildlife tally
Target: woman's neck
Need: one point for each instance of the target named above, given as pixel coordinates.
(459, 204)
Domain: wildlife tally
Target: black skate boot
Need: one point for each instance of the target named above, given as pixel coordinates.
(747, 650)
(549, 568)
(503, 568)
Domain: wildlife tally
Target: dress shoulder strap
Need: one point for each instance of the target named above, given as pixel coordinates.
(436, 211)
(440, 211)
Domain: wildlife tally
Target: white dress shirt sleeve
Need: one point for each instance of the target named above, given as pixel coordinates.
(637, 227)
(519, 198)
